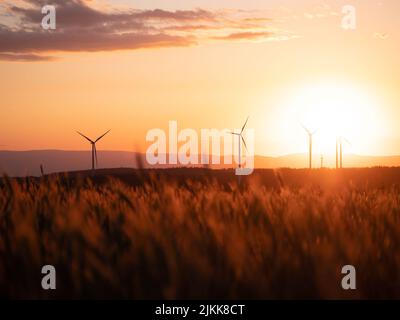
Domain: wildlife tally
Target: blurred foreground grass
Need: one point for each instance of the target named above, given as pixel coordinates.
(203, 239)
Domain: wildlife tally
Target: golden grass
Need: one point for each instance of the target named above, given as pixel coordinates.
(203, 240)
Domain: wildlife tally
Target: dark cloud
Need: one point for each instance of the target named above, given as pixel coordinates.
(24, 42)
(81, 27)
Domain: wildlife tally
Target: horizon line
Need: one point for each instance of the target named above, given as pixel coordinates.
(200, 154)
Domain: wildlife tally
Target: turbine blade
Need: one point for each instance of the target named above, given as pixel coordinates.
(231, 132)
(91, 141)
(348, 142)
(308, 131)
(244, 125)
(244, 142)
(95, 155)
(102, 136)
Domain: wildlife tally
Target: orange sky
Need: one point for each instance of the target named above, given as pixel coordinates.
(264, 68)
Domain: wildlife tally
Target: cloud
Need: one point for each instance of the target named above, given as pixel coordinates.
(245, 36)
(83, 28)
(24, 57)
(380, 35)
(37, 42)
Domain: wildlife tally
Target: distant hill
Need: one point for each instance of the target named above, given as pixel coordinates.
(27, 163)
(349, 161)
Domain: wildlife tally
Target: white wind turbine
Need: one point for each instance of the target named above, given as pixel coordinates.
(339, 145)
(240, 140)
(94, 150)
(310, 141)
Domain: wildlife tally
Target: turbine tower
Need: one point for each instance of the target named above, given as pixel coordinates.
(94, 150)
(337, 153)
(310, 136)
(339, 141)
(341, 153)
(240, 140)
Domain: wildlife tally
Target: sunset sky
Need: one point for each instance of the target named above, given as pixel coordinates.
(131, 66)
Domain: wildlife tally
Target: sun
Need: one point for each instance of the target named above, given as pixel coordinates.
(335, 110)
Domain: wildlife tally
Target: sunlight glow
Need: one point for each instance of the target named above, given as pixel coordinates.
(336, 110)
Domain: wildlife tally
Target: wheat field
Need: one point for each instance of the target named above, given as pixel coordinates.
(276, 235)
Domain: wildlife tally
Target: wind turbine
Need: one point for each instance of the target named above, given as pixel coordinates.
(337, 153)
(240, 139)
(310, 136)
(94, 150)
(339, 145)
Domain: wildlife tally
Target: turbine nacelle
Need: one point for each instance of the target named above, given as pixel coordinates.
(308, 131)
